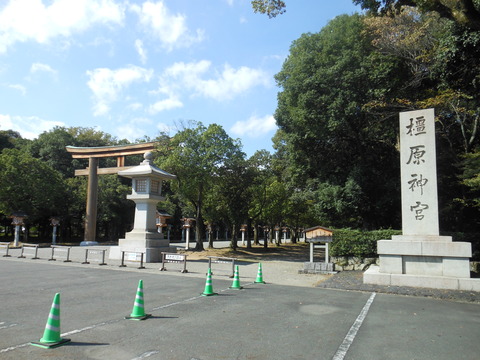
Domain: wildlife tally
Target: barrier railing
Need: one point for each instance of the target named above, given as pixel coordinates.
(60, 250)
(29, 247)
(100, 259)
(221, 260)
(6, 246)
(132, 256)
(176, 259)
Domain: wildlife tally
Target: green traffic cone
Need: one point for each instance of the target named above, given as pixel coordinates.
(138, 312)
(259, 279)
(51, 336)
(208, 285)
(236, 280)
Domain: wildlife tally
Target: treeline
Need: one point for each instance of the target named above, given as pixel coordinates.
(37, 178)
(336, 159)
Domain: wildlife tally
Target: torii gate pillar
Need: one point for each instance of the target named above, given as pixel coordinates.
(92, 196)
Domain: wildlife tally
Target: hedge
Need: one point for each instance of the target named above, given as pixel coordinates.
(363, 244)
(358, 243)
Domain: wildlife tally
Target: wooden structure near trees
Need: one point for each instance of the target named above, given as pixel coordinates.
(93, 154)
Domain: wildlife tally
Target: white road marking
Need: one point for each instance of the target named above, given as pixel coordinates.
(146, 354)
(342, 350)
(6, 326)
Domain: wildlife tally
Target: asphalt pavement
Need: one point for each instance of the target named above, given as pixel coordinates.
(282, 319)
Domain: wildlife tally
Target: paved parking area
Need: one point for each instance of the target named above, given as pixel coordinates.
(261, 321)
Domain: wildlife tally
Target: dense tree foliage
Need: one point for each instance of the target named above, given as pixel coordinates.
(325, 82)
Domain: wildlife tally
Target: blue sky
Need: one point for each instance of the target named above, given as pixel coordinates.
(133, 68)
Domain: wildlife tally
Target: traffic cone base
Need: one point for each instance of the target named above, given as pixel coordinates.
(51, 336)
(143, 317)
(50, 345)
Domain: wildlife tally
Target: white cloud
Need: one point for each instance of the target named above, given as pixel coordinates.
(107, 84)
(43, 68)
(170, 29)
(166, 104)
(142, 52)
(36, 67)
(28, 126)
(18, 87)
(227, 84)
(254, 126)
(32, 20)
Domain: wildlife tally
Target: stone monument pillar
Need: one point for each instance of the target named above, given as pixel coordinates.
(146, 193)
(421, 257)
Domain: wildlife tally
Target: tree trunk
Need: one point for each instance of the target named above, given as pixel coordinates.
(255, 234)
(233, 241)
(293, 236)
(210, 240)
(199, 222)
(249, 225)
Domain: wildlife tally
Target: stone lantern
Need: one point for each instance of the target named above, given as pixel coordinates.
(146, 193)
(187, 225)
(54, 222)
(243, 229)
(18, 220)
(285, 231)
(161, 220)
(277, 234)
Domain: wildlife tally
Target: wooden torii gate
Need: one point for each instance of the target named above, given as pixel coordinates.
(92, 171)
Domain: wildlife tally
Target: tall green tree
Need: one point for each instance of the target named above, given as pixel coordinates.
(196, 156)
(232, 190)
(10, 139)
(325, 82)
(30, 185)
(50, 147)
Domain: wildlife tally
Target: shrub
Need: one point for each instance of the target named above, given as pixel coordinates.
(363, 244)
(358, 243)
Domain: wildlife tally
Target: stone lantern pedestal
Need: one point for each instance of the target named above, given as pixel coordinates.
(146, 193)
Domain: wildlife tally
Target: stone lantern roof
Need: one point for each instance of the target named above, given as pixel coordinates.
(146, 168)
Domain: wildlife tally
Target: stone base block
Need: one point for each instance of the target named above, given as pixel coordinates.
(424, 248)
(316, 268)
(152, 255)
(374, 276)
(143, 243)
(424, 255)
(144, 235)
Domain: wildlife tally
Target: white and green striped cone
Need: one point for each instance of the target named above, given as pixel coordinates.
(259, 279)
(138, 312)
(51, 336)
(208, 285)
(236, 280)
